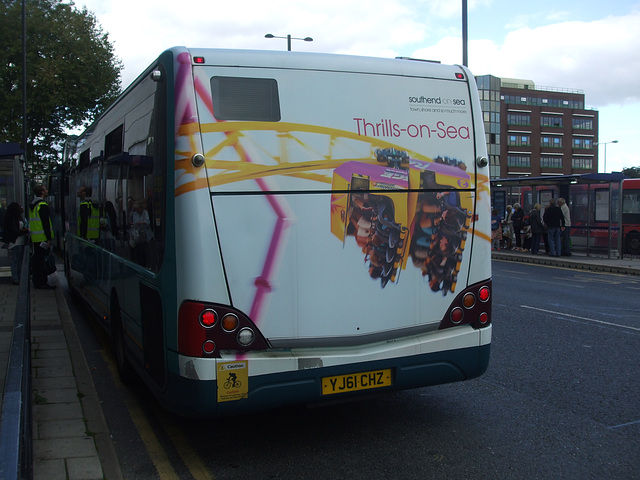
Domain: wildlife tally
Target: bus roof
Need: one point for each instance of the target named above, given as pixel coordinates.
(324, 61)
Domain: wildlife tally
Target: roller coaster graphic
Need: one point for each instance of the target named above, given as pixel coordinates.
(263, 152)
(429, 224)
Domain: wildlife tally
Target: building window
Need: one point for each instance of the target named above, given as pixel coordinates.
(551, 121)
(583, 123)
(551, 102)
(519, 161)
(582, 163)
(551, 142)
(583, 143)
(494, 166)
(519, 140)
(551, 162)
(519, 119)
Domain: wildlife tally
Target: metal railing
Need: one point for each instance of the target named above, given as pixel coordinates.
(16, 438)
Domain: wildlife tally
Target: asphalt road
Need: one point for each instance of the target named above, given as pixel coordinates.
(561, 399)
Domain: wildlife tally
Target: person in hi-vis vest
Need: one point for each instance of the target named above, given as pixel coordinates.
(88, 216)
(41, 235)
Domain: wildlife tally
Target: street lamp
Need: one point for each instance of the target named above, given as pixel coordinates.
(605, 152)
(289, 38)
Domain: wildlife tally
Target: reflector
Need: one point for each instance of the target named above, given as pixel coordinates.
(457, 315)
(208, 347)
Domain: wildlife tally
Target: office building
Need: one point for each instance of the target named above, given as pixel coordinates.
(537, 131)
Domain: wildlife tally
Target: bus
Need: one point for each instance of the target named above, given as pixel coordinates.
(54, 181)
(597, 211)
(280, 228)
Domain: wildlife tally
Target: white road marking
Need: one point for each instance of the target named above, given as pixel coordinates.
(581, 318)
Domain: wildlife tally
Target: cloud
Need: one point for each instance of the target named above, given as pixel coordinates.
(600, 57)
(383, 27)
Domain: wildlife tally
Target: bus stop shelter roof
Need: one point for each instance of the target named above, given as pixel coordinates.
(10, 150)
(615, 177)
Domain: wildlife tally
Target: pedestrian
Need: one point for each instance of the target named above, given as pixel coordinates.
(15, 233)
(526, 238)
(3, 211)
(518, 224)
(565, 237)
(88, 216)
(41, 236)
(507, 227)
(537, 228)
(496, 229)
(554, 220)
(140, 234)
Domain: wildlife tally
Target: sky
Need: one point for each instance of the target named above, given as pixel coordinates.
(586, 45)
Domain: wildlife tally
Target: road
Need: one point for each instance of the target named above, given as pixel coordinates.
(561, 399)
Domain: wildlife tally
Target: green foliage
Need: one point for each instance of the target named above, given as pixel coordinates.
(633, 172)
(72, 75)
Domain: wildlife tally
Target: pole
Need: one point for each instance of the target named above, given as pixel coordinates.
(465, 35)
(288, 43)
(24, 82)
(620, 224)
(609, 205)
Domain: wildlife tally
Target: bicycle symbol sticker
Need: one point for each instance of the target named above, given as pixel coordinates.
(233, 381)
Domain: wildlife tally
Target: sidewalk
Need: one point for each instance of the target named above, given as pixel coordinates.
(70, 436)
(596, 262)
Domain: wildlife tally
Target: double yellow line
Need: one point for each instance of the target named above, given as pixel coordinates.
(156, 451)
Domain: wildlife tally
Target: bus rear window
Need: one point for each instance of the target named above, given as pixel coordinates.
(245, 99)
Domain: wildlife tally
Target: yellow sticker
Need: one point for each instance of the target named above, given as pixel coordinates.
(233, 381)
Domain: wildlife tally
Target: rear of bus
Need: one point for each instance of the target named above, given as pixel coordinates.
(332, 229)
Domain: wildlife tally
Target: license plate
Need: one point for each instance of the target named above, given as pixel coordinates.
(356, 381)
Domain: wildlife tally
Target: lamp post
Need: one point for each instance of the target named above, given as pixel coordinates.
(605, 152)
(465, 35)
(289, 38)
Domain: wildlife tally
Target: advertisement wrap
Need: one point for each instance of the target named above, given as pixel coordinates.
(323, 209)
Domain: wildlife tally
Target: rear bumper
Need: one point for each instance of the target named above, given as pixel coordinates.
(276, 379)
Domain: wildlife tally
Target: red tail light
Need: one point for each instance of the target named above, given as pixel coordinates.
(484, 293)
(206, 329)
(208, 318)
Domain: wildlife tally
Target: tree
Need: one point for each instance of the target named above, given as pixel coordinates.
(72, 75)
(633, 172)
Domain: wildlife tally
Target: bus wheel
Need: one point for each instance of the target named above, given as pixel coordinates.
(125, 370)
(632, 243)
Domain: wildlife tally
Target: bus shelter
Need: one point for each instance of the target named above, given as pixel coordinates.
(594, 200)
(12, 173)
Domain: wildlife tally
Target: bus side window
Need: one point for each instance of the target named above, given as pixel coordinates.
(144, 180)
(155, 184)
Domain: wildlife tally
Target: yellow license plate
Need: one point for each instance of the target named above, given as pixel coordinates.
(356, 381)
